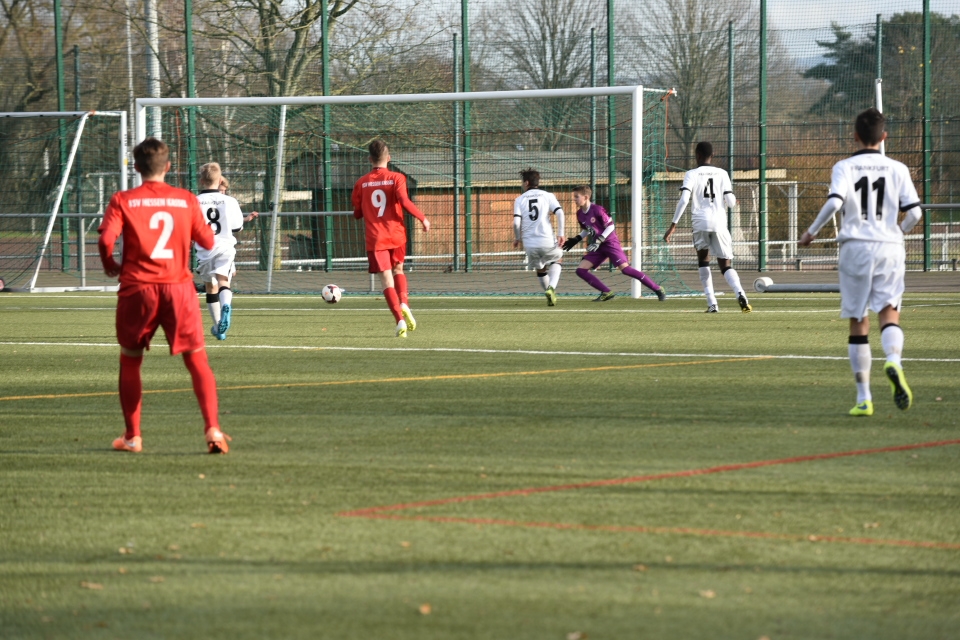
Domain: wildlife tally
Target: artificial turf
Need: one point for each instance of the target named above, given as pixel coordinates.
(331, 416)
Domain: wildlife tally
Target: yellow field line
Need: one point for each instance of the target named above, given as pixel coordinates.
(458, 376)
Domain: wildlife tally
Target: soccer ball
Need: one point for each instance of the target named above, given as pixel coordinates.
(332, 293)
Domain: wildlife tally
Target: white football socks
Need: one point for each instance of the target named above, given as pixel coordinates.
(860, 361)
(544, 281)
(707, 279)
(553, 274)
(226, 297)
(730, 275)
(891, 337)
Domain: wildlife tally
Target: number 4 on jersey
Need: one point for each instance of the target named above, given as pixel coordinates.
(708, 193)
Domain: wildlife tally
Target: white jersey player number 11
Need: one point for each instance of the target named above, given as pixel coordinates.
(863, 186)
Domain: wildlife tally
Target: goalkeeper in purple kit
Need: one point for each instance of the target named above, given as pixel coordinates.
(603, 244)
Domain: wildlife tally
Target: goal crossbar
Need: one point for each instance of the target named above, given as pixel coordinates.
(636, 93)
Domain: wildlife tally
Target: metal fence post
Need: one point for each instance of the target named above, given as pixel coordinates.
(762, 143)
(467, 139)
(61, 106)
(730, 54)
(327, 156)
(927, 137)
(593, 111)
(456, 156)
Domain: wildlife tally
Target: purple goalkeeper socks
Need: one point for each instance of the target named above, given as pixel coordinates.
(642, 277)
(592, 280)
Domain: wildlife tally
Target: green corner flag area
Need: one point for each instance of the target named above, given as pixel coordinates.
(624, 469)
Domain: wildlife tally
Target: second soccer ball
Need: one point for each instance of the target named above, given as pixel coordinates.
(332, 293)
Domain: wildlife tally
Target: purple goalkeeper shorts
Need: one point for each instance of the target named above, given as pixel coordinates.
(611, 249)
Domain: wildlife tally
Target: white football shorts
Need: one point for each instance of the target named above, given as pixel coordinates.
(540, 257)
(871, 277)
(220, 263)
(718, 242)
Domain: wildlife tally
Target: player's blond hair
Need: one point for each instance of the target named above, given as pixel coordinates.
(584, 190)
(224, 183)
(210, 175)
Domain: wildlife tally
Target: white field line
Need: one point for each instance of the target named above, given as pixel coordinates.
(436, 311)
(485, 311)
(623, 354)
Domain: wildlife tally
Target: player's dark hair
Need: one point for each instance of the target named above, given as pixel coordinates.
(150, 156)
(584, 189)
(869, 126)
(377, 150)
(531, 176)
(704, 150)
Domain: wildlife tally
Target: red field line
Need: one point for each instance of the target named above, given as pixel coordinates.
(387, 512)
(367, 512)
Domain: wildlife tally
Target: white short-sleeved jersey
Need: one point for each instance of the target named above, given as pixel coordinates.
(534, 208)
(874, 189)
(707, 185)
(224, 216)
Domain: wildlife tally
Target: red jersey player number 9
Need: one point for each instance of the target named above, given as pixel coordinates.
(161, 251)
(379, 200)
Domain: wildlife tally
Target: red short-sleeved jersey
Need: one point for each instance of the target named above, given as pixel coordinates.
(158, 222)
(379, 198)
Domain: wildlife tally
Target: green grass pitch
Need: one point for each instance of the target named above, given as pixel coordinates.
(332, 417)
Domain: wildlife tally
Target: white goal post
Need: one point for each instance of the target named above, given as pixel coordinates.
(635, 92)
(82, 118)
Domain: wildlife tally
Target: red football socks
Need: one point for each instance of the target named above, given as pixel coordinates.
(204, 386)
(393, 301)
(131, 392)
(400, 281)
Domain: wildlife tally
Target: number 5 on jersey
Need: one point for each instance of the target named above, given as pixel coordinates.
(161, 251)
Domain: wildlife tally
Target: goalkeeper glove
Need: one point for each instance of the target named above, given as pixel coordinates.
(593, 246)
(571, 242)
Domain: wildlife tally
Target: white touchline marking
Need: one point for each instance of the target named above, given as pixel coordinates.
(623, 354)
(443, 310)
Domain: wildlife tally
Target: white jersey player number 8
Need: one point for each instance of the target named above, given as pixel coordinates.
(161, 251)
(379, 199)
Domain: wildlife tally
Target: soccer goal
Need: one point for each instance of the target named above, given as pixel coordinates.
(58, 170)
(295, 160)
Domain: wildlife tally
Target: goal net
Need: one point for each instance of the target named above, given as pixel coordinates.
(57, 173)
(296, 159)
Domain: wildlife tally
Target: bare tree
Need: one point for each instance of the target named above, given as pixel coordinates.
(684, 44)
(542, 44)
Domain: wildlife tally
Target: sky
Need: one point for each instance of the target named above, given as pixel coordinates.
(784, 14)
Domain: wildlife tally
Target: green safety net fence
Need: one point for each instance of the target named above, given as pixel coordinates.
(463, 163)
(33, 160)
(822, 62)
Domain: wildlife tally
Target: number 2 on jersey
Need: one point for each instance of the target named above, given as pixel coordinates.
(878, 186)
(379, 200)
(161, 251)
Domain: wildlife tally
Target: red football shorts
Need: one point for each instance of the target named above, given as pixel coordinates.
(171, 306)
(386, 260)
